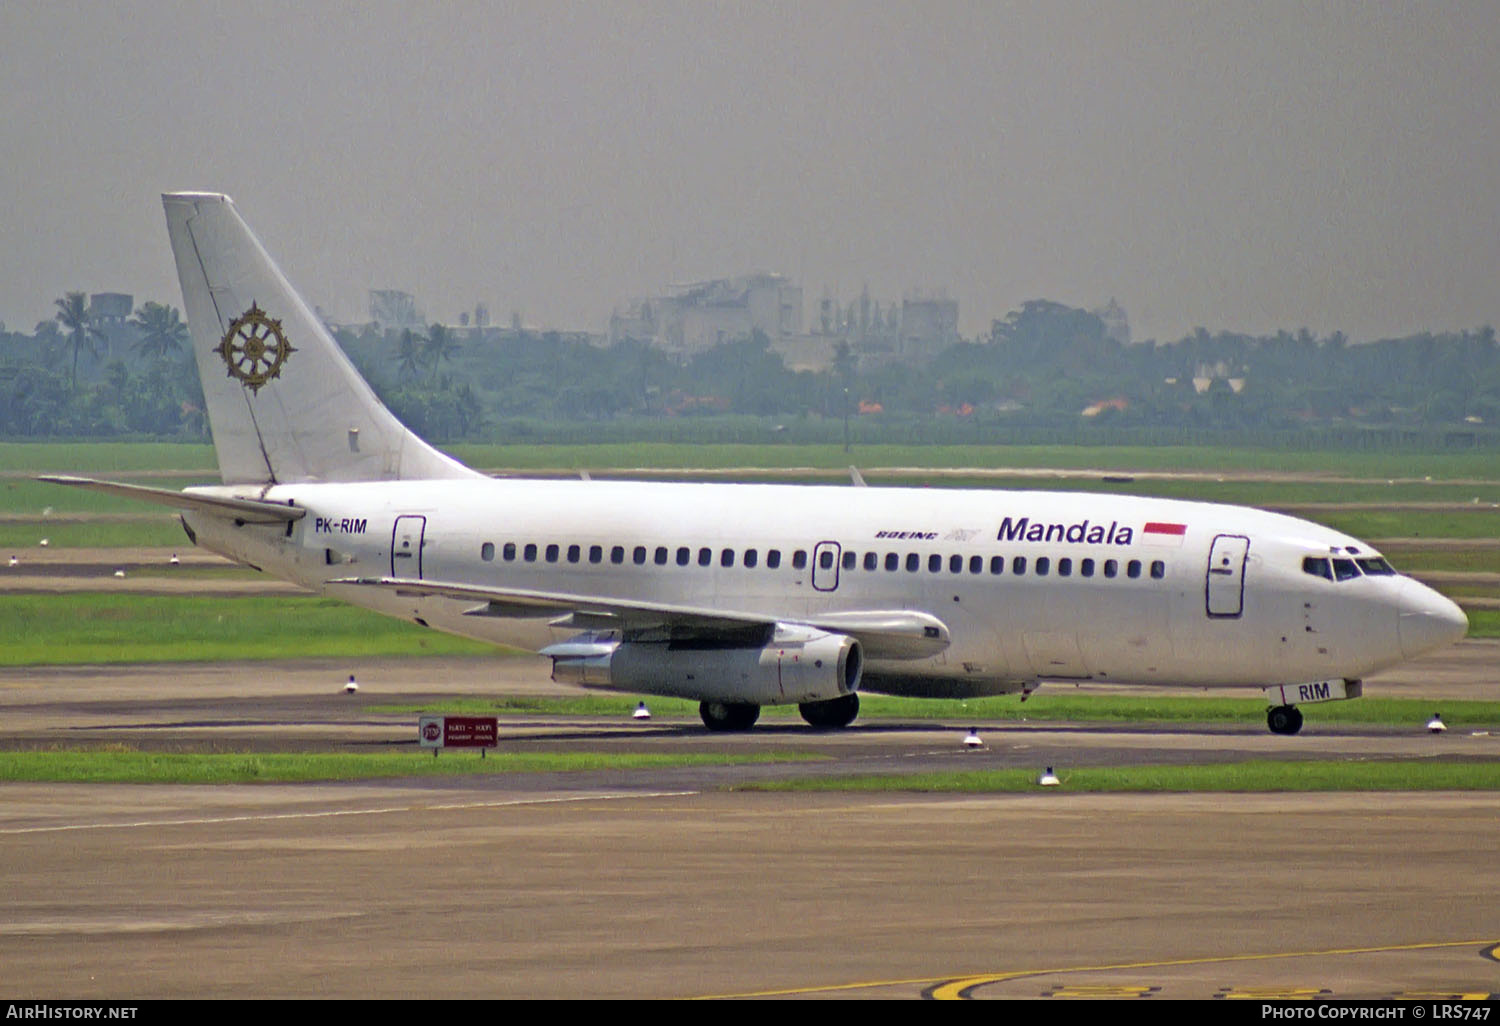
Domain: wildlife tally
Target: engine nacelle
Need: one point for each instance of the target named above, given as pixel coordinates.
(800, 664)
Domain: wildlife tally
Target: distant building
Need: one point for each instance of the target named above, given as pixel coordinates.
(108, 309)
(1116, 324)
(393, 310)
(916, 329)
(929, 324)
(692, 318)
(109, 312)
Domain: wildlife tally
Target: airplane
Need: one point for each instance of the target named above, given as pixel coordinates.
(741, 596)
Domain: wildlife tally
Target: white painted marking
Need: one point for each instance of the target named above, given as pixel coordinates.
(384, 811)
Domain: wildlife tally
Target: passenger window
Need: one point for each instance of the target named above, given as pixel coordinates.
(934, 564)
(573, 553)
(705, 557)
(638, 555)
(1344, 569)
(1317, 567)
(487, 551)
(976, 564)
(872, 560)
(1086, 568)
(997, 565)
(684, 555)
(509, 552)
(552, 551)
(1111, 568)
(1065, 567)
(851, 559)
(799, 559)
(1043, 564)
(892, 561)
(773, 558)
(596, 553)
(726, 558)
(751, 558)
(1018, 565)
(913, 562)
(530, 555)
(661, 555)
(825, 559)
(955, 564)
(1158, 569)
(617, 554)
(1133, 569)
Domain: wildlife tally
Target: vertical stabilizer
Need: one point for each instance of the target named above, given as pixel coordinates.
(284, 402)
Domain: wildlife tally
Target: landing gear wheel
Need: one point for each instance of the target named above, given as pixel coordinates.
(728, 715)
(832, 714)
(1284, 719)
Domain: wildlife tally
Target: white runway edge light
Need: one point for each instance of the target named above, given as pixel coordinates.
(1436, 724)
(1048, 779)
(351, 687)
(971, 740)
(641, 712)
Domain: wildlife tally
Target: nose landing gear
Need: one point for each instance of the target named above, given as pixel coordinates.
(1284, 719)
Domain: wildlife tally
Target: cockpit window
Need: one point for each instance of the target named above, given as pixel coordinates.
(1317, 566)
(1344, 569)
(1375, 566)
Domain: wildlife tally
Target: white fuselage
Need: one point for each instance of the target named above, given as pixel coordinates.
(1032, 585)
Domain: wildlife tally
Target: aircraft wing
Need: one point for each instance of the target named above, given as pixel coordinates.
(250, 511)
(884, 634)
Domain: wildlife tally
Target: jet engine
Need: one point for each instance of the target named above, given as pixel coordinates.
(800, 664)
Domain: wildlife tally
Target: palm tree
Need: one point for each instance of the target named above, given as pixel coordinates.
(409, 353)
(73, 315)
(440, 346)
(161, 330)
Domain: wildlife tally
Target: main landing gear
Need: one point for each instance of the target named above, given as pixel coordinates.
(1284, 719)
(829, 715)
(832, 714)
(729, 715)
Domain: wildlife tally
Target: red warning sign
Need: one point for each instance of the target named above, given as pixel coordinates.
(458, 731)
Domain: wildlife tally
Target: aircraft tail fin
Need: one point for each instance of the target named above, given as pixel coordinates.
(284, 402)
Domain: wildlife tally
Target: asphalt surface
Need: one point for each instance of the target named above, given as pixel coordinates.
(670, 883)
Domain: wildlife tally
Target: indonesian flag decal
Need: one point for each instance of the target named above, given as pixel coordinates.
(1157, 532)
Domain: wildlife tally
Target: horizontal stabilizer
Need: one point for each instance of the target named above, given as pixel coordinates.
(250, 511)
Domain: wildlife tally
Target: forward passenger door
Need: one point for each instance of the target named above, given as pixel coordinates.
(1225, 588)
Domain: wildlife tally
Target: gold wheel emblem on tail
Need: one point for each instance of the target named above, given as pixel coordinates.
(254, 348)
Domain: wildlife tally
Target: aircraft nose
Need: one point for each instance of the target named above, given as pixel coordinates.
(1427, 620)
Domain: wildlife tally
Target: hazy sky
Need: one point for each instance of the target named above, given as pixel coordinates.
(1245, 166)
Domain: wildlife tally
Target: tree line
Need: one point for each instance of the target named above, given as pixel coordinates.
(1044, 367)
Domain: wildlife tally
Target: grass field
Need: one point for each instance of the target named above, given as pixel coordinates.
(135, 457)
(116, 764)
(94, 628)
(124, 765)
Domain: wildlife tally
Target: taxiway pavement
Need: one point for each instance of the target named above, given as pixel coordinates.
(669, 883)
